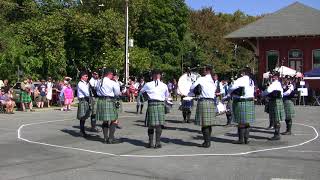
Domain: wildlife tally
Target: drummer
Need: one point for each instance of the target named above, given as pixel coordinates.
(186, 107)
(205, 113)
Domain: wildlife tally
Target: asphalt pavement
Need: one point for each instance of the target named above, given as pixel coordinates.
(46, 145)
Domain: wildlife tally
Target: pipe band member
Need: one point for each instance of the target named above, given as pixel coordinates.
(276, 109)
(205, 112)
(107, 90)
(288, 95)
(140, 98)
(243, 108)
(157, 93)
(83, 94)
(93, 84)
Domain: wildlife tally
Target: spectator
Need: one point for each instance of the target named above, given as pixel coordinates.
(7, 101)
(43, 93)
(26, 95)
(49, 90)
(61, 94)
(174, 90)
(68, 97)
(132, 90)
(6, 87)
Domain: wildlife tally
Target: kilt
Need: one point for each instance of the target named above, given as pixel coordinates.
(25, 97)
(243, 111)
(155, 115)
(140, 99)
(106, 110)
(289, 109)
(94, 106)
(276, 110)
(83, 110)
(205, 113)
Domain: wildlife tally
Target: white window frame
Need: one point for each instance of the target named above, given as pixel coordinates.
(302, 58)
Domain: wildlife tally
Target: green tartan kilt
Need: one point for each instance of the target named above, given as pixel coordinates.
(289, 109)
(155, 115)
(205, 113)
(106, 110)
(94, 105)
(25, 97)
(243, 111)
(276, 110)
(83, 110)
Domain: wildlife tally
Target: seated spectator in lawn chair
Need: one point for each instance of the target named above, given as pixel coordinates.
(7, 102)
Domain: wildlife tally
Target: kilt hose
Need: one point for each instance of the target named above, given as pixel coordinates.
(289, 109)
(205, 113)
(25, 97)
(106, 110)
(84, 111)
(155, 115)
(276, 110)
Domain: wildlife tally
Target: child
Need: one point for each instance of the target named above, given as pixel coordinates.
(68, 97)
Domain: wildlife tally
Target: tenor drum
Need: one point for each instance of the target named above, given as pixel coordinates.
(185, 82)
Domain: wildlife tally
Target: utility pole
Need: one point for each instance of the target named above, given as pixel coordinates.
(126, 68)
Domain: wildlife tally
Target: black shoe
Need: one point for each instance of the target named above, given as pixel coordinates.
(113, 141)
(286, 133)
(275, 138)
(270, 128)
(94, 130)
(83, 134)
(237, 142)
(158, 146)
(149, 145)
(141, 112)
(205, 145)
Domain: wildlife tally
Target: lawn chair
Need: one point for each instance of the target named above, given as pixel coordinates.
(2, 108)
(316, 100)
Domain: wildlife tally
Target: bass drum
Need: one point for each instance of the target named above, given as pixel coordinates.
(185, 82)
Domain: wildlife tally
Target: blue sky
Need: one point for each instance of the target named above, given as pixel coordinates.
(251, 7)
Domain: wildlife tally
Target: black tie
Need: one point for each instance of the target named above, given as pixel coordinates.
(156, 82)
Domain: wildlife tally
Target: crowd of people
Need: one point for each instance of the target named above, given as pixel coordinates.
(44, 93)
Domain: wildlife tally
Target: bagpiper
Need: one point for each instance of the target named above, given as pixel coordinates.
(288, 94)
(107, 90)
(276, 109)
(242, 92)
(157, 93)
(205, 112)
(93, 84)
(83, 94)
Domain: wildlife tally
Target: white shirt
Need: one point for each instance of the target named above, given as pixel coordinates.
(108, 88)
(158, 92)
(208, 87)
(289, 91)
(245, 82)
(93, 82)
(274, 86)
(83, 89)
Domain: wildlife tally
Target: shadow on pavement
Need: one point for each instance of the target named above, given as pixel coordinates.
(76, 133)
(178, 142)
(133, 142)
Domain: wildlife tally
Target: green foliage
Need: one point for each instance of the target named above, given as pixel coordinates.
(57, 38)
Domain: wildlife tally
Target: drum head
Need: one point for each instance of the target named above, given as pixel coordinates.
(185, 82)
